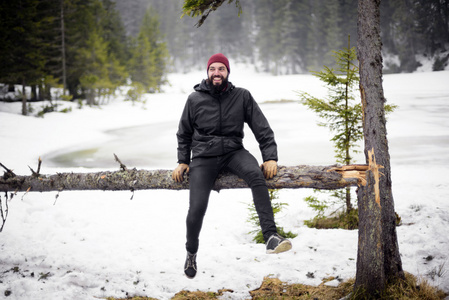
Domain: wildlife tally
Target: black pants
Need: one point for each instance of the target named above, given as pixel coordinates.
(202, 175)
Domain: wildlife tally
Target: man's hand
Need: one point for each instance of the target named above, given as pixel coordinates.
(269, 169)
(178, 173)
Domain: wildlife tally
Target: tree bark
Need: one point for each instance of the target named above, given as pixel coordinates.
(377, 219)
(64, 73)
(370, 274)
(24, 98)
(319, 177)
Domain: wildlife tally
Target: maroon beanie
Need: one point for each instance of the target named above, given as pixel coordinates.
(219, 58)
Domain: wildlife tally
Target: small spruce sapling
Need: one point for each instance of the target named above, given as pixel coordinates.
(254, 218)
(342, 115)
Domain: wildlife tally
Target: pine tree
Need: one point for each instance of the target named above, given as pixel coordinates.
(331, 30)
(79, 23)
(51, 12)
(21, 51)
(149, 56)
(268, 39)
(95, 49)
(95, 77)
(340, 110)
(114, 32)
(175, 31)
(294, 34)
(405, 35)
(343, 114)
(142, 63)
(62, 41)
(314, 40)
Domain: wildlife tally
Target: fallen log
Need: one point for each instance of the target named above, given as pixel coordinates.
(302, 176)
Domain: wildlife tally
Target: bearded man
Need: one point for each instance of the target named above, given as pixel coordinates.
(210, 140)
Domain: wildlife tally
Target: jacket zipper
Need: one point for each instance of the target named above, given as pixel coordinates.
(220, 120)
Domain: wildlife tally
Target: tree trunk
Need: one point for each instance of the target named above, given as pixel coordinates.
(64, 73)
(378, 258)
(34, 95)
(370, 274)
(24, 99)
(349, 207)
(330, 177)
(41, 93)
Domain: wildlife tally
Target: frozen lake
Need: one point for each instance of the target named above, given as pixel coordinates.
(418, 131)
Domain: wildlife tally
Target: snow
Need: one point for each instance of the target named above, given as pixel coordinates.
(88, 245)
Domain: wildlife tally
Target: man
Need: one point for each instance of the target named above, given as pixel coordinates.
(210, 138)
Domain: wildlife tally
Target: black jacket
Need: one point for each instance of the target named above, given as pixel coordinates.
(212, 125)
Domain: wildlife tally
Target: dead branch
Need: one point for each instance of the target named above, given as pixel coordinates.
(8, 172)
(4, 212)
(122, 166)
(317, 177)
(36, 173)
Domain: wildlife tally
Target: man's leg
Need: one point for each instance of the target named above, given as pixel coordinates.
(202, 175)
(244, 164)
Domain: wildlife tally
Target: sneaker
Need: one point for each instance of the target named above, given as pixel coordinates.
(278, 244)
(190, 265)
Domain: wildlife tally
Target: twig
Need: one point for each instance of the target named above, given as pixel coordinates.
(122, 166)
(39, 163)
(4, 214)
(37, 174)
(8, 173)
(33, 173)
(26, 192)
(56, 198)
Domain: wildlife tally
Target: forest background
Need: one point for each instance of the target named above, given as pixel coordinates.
(92, 47)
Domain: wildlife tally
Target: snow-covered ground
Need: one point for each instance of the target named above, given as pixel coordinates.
(86, 245)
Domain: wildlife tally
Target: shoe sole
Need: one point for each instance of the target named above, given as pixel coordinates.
(282, 247)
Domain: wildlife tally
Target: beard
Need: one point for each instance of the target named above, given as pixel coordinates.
(218, 88)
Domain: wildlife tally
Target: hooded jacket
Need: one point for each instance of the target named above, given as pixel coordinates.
(212, 124)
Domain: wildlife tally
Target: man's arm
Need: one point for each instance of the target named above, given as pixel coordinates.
(184, 136)
(264, 135)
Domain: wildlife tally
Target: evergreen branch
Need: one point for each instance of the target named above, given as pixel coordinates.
(203, 8)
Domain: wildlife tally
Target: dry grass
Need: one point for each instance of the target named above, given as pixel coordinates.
(341, 220)
(413, 288)
(274, 289)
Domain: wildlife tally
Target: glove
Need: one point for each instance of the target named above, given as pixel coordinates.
(178, 173)
(269, 169)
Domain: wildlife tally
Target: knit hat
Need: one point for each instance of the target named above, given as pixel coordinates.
(219, 58)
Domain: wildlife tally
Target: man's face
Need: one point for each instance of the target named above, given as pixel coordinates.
(217, 73)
